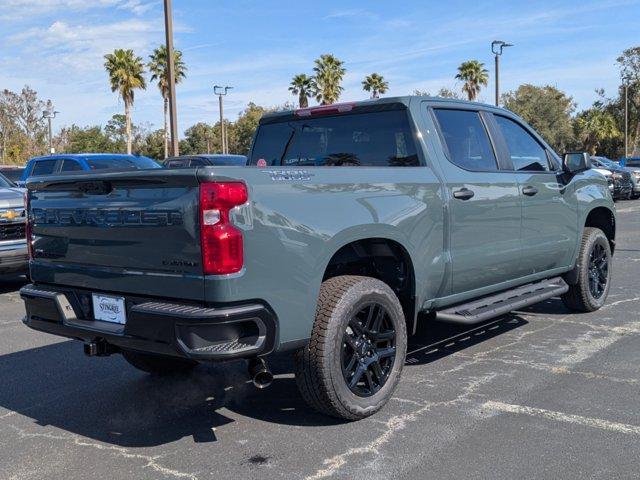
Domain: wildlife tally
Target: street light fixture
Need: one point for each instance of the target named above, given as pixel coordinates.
(49, 115)
(496, 49)
(222, 91)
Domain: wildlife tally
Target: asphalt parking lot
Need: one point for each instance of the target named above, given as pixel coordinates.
(542, 393)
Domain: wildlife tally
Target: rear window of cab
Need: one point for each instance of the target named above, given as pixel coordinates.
(376, 139)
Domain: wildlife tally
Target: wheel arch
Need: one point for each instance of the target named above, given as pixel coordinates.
(384, 258)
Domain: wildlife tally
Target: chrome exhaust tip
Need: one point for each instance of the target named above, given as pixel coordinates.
(259, 373)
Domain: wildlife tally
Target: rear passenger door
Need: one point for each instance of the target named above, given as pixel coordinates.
(549, 215)
(484, 205)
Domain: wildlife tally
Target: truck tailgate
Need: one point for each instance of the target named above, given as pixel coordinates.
(135, 232)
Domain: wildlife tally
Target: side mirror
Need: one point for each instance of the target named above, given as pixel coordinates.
(575, 162)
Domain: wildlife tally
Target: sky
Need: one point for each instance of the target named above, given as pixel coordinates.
(57, 48)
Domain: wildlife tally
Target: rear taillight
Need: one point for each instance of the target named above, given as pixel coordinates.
(27, 225)
(220, 241)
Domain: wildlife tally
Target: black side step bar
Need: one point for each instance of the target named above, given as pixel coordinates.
(492, 306)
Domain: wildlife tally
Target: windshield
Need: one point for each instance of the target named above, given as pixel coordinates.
(134, 163)
(363, 139)
(5, 182)
(607, 163)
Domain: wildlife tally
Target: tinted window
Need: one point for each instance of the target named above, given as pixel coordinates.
(121, 163)
(632, 162)
(466, 139)
(5, 182)
(69, 165)
(44, 167)
(525, 151)
(13, 174)
(196, 162)
(177, 163)
(362, 139)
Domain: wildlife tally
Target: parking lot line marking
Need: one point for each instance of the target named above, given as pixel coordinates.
(563, 417)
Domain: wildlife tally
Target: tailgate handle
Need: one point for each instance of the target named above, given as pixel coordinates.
(94, 187)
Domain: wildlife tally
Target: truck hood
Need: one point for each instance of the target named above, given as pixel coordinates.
(11, 197)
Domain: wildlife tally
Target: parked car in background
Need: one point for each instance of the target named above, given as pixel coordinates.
(13, 239)
(12, 172)
(633, 166)
(65, 163)
(623, 183)
(186, 161)
(606, 174)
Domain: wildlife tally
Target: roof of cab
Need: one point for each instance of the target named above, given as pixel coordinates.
(406, 100)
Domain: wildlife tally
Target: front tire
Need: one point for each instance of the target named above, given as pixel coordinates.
(594, 273)
(158, 364)
(356, 352)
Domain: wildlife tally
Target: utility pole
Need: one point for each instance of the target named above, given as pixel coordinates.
(173, 113)
(496, 49)
(221, 92)
(626, 119)
(49, 115)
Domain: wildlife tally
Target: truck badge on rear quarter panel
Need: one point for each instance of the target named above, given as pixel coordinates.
(285, 175)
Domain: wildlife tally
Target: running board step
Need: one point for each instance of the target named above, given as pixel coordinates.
(492, 306)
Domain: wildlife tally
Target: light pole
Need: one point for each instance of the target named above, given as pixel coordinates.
(496, 49)
(626, 118)
(173, 113)
(221, 92)
(49, 115)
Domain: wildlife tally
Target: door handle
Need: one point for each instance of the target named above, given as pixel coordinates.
(463, 194)
(529, 191)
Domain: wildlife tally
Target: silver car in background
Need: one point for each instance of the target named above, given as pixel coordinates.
(13, 240)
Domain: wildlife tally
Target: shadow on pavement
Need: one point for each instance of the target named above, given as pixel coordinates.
(107, 400)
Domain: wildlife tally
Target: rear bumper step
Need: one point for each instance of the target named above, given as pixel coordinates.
(188, 331)
(493, 306)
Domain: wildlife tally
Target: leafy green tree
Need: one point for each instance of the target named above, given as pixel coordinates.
(375, 84)
(474, 76)
(328, 75)
(24, 131)
(93, 139)
(245, 127)
(302, 85)
(201, 138)
(126, 75)
(546, 109)
(157, 65)
(153, 144)
(629, 64)
(594, 126)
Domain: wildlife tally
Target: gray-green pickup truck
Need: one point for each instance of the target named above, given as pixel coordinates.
(349, 221)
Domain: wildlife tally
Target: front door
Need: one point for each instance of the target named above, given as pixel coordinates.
(484, 205)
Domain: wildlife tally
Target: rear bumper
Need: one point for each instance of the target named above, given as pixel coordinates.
(13, 257)
(155, 326)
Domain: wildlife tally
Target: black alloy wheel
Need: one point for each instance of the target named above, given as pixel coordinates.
(368, 350)
(598, 270)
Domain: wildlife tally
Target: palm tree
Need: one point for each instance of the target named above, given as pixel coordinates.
(328, 76)
(301, 85)
(126, 74)
(158, 68)
(474, 76)
(375, 84)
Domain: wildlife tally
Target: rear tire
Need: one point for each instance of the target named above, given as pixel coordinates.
(158, 364)
(594, 273)
(356, 352)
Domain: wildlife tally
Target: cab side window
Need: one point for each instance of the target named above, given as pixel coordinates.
(466, 139)
(69, 165)
(44, 167)
(525, 151)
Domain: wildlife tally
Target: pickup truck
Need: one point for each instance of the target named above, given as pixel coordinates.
(352, 223)
(13, 239)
